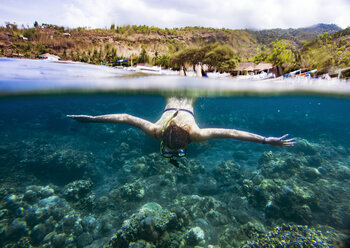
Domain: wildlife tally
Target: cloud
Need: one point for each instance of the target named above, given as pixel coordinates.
(102, 14)
(27, 12)
(234, 14)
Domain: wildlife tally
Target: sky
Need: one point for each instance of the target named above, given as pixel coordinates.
(232, 14)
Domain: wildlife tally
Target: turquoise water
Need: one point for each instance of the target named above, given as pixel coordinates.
(70, 184)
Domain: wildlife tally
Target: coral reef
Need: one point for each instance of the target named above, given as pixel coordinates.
(41, 217)
(296, 236)
(151, 224)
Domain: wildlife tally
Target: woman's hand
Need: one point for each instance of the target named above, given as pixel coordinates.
(282, 141)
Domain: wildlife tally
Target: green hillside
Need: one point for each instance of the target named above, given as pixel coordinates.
(322, 46)
(328, 52)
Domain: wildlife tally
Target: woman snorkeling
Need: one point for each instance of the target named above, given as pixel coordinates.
(177, 127)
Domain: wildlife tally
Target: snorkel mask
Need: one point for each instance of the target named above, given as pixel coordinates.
(172, 154)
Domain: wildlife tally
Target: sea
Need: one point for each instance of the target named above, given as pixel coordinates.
(65, 183)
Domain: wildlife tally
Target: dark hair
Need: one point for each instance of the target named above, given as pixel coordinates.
(175, 137)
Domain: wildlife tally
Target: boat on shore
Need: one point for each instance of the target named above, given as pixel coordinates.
(216, 74)
(145, 69)
(149, 69)
(155, 70)
(301, 73)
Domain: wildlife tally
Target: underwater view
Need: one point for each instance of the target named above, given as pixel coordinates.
(66, 183)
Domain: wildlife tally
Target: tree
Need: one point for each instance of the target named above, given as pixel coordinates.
(113, 27)
(325, 38)
(163, 61)
(64, 54)
(12, 26)
(143, 57)
(345, 59)
(36, 24)
(281, 55)
(221, 57)
(262, 55)
(228, 65)
(29, 33)
(191, 55)
(41, 48)
(155, 57)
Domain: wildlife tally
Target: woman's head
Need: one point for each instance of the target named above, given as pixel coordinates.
(175, 137)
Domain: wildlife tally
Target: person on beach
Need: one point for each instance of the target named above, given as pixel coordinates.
(177, 127)
(182, 72)
(198, 70)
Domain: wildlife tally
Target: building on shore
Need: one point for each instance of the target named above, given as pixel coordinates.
(251, 68)
(49, 56)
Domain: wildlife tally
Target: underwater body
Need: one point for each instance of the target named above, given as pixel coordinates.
(70, 184)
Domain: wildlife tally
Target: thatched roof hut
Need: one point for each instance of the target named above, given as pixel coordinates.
(245, 67)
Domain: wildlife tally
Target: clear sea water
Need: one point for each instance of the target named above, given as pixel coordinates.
(114, 170)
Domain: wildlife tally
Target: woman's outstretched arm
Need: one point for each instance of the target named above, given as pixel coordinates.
(146, 126)
(220, 133)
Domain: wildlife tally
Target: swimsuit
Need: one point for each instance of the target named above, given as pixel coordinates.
(179, 109)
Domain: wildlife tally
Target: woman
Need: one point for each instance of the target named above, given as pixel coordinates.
(177, 128)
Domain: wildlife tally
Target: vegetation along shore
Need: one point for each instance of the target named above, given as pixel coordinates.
(324, 47)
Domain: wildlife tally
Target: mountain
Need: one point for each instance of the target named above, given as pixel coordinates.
(296, 35)
(321, 28)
